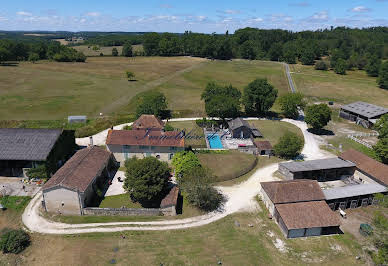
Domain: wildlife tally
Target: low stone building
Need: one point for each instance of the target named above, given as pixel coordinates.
(76, 184)
(264, 147)
(148, 122)
(362, 113)
(368, 169)
(240, 129)
(125, 144)
(321, 170)
(303, 219)
(24, 148)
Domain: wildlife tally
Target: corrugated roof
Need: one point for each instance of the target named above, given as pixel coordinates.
(353, 190)
(27, 143)
(365, 109)
(148, 122)
(145, 138)
(293, 191)
(320, 164)
(307, 215)
(377, 170)
(80, 170)
(238, 122)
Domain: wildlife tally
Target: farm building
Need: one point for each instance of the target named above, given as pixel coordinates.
(321, 170)
(362, 113)
(240, 129)
(281, 192)
(368, 169)
(76, 184)
(352, 196)
(148, 122)
(302, 219)
(24, 148)
(125, 144)
(264, 147)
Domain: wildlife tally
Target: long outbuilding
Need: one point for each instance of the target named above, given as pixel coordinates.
(362, 113)
(321, 170)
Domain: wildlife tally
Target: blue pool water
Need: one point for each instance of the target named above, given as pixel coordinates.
(214, 141)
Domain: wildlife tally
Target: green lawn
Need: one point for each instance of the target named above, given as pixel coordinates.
(328, 86)
(197, 139)
(119, 201)
(274, 130)
(227, 165)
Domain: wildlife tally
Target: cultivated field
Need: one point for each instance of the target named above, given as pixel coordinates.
(52, 90)
(328, 86)
(105, 50)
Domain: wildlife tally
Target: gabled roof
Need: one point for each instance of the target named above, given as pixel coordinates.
(263, 145)
(80, 170)
(171, 198)
(145, 138)
(293, 191)
(353, 191)
(365, 109)
(148, 122)
(377, 170)
(238, 122)
(307, 215)
(27, 143)
(320, 164)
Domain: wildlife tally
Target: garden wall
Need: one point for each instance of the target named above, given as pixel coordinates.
(169, 211)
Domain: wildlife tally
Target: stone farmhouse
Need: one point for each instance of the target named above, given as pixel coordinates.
(76, 184)
(362, 113)
(149, 122)
(299, 208)
(24, 148)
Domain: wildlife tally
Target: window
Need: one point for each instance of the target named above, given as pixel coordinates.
(173, 148)
(143, 147)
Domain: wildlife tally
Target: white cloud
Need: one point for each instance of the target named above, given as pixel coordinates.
(256, 20)
(93, 14)
(24, 13)
(3, 19)
(319, 16)
(360, 9)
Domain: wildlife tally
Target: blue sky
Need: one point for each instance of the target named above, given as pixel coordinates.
(198, 16)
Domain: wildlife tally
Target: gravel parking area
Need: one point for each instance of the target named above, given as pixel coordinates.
(13, 186)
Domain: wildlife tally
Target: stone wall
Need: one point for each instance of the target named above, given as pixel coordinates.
(170, 211)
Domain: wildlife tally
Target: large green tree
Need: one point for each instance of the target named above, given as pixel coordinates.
(127, 50)
(308, 56)
(289, 146)
(381, 150)
(290, 104)
(115, 52)
(221, 101)
(146, 179)
(317, 115)
(259, 96)
(340, 67)
(383, 76)
(183, 163)
(152, 103)
(248, 50)
(382, 126)
(373, 66)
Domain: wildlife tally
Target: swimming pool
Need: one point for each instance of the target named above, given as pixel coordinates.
(214, 141)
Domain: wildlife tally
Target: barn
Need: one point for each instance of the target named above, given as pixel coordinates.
(303, 219)
(24, 148)
(76, 184)
(264, 147)
(321, 170)
(362, 113)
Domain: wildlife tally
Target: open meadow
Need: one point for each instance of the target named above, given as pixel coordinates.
(105, 50)
(343, 89)
(52, 90)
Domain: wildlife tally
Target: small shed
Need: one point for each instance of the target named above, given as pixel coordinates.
(264, 147)
(76, 119)
(240, 129)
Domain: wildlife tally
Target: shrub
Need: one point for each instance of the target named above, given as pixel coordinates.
(127, 127)
(340, 67)
(205, 122)
(205, 197)
(168, 127)
(321, 65)
(289, 146)
(184, 162)
(38, 172)
(14, 241)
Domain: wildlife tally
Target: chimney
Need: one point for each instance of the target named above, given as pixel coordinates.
(91, 141)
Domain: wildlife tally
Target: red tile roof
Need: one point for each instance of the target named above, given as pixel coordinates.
(307, 215)
(148, 122)
(145, 138)
(293, 191)
(80, 170)
(171, 198)
(263, 145)
(377, 170)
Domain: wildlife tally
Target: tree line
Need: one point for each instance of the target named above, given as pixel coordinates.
(15, 50)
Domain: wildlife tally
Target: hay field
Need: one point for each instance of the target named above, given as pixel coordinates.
(107, 51)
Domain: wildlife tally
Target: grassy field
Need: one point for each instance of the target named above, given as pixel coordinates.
(119, 201)
(107, 51)
(273, 130)
(222, 241)
(328, 86)
(227, 165)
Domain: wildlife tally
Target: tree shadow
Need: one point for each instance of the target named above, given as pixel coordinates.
(10, 64)
(321, 132)
(132, 80)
